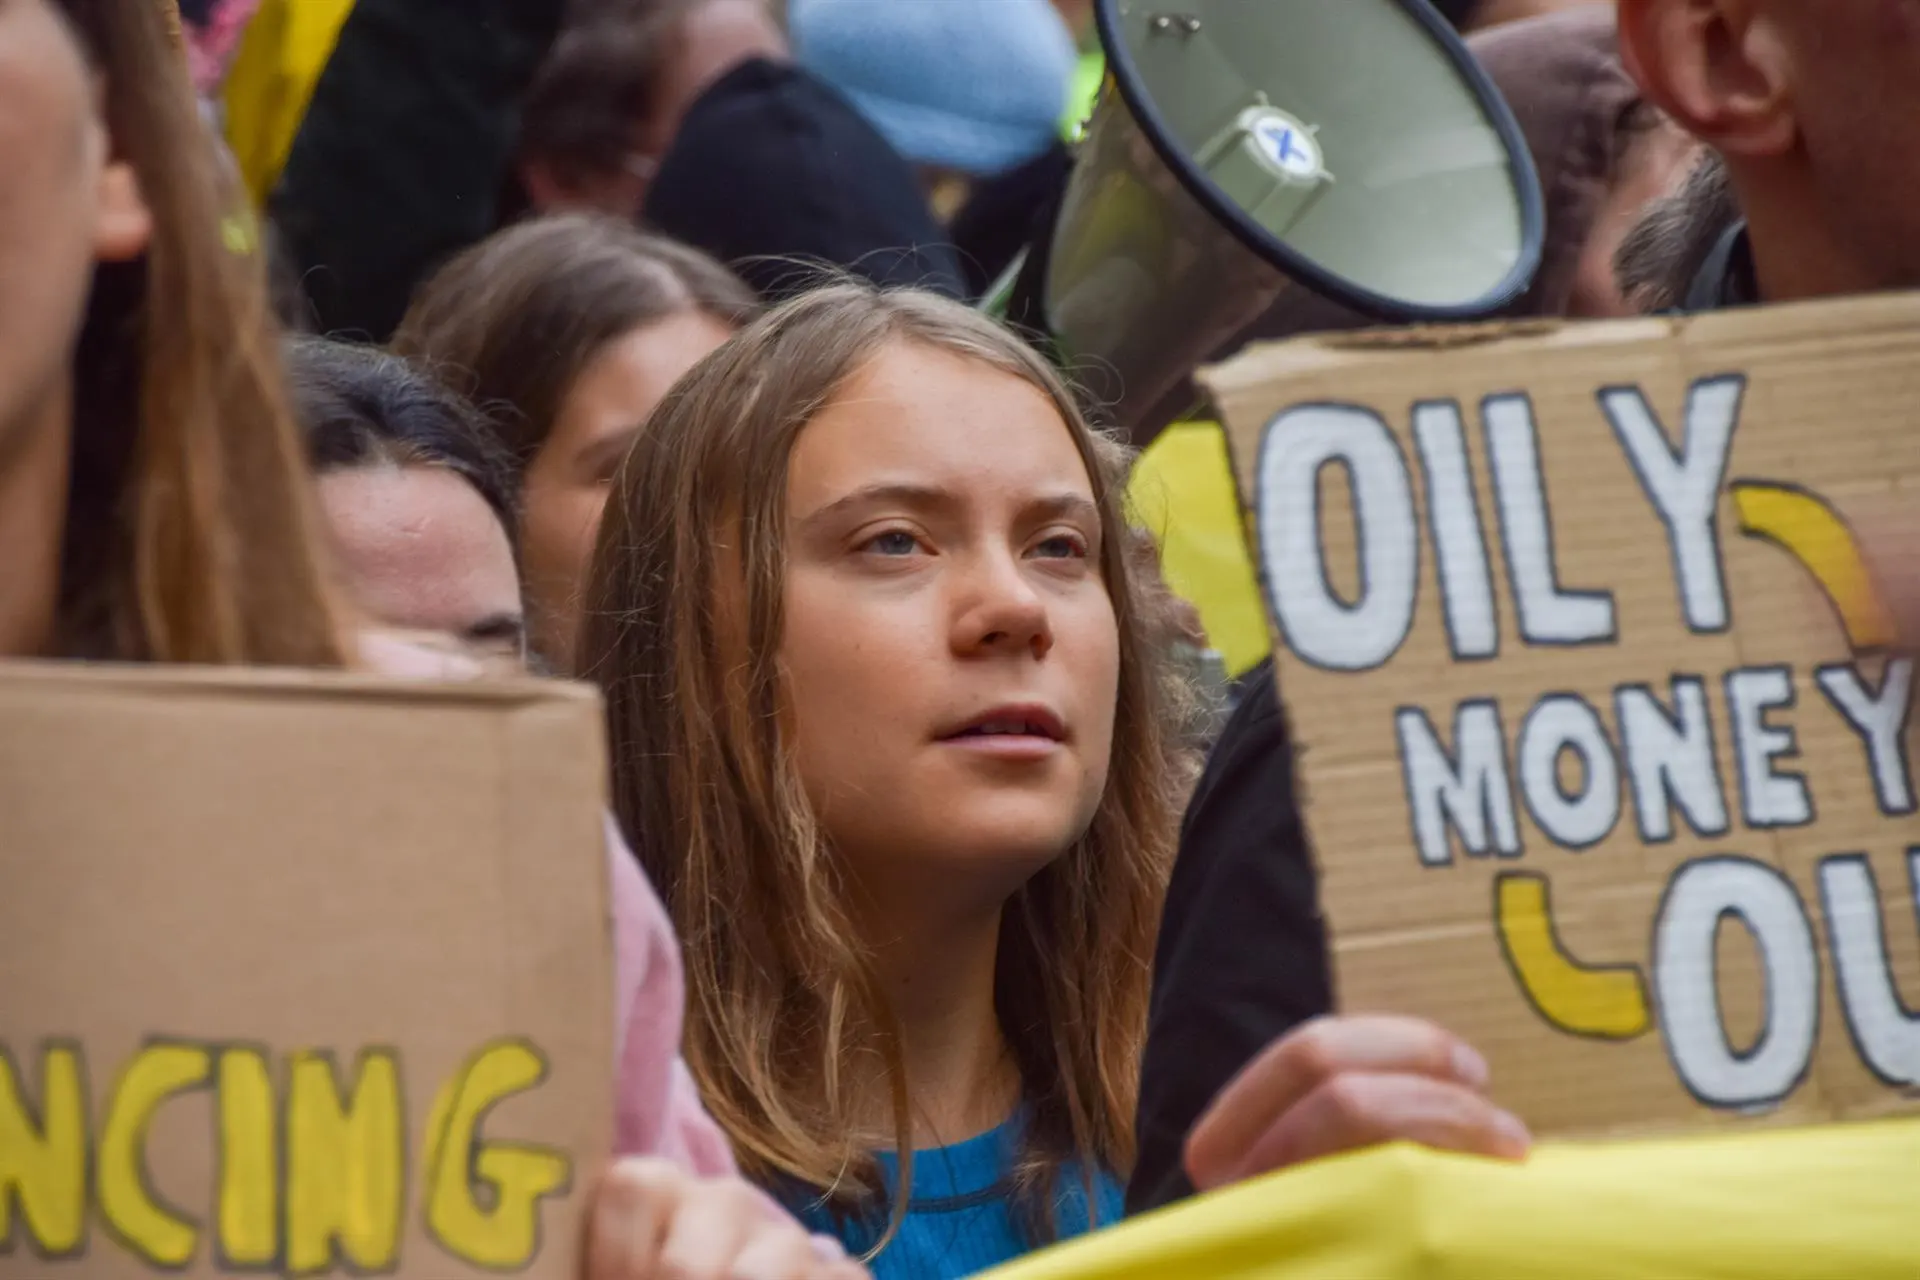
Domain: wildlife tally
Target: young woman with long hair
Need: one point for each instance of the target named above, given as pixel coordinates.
(155, 504)
(892, 735)
(565, 332)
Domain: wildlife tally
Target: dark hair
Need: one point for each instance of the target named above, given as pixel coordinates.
(1657, 261)
(362, 407)
(191, 531)
(599, 82)
(513, 322)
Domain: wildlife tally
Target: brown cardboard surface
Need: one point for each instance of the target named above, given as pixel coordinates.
(1692, 968)
(302, 974)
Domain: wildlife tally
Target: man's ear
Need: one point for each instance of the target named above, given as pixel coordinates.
(123, 225)
(1718, 68)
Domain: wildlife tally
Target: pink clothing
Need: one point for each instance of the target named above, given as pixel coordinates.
(657, 1109)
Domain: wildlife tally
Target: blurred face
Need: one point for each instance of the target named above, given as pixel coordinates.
(420, 550)
(951, 653)
(64, 205)
(566, 487)
(713, 37)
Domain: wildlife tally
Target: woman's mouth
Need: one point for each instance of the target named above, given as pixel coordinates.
(1025, 732)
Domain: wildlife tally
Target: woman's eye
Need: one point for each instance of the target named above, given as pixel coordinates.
(1061, 546)
(894, 542)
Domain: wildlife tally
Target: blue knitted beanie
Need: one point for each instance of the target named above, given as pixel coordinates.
(973, 85)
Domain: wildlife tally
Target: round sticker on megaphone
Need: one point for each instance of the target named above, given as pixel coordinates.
(1287, 146)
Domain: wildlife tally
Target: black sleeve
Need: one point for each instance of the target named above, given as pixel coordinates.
(1242, 957)
(404, 148)
(772, 170)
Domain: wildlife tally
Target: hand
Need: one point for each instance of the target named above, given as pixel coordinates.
(1339, 1084)
(653, 1220)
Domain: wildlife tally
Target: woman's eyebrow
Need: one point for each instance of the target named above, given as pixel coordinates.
(1060, 506)
(919, 497)
(932, 498)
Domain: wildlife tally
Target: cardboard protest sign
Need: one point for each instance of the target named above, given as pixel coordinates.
(1602, 767)
(303, 974)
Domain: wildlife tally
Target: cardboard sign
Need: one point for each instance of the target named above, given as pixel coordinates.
(1601, 768)
(303, 975)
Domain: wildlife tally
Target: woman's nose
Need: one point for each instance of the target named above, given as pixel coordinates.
(999, 609)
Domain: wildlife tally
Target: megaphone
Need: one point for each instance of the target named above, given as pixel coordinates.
(1244, 148)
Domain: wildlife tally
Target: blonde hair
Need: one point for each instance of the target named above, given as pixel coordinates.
(683, 627)
(192, 531)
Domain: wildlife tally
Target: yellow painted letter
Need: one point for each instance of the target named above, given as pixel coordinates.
(249, 1162)
(142, 1223)
(505, 1235)
(344, 1166)
(43, 1166)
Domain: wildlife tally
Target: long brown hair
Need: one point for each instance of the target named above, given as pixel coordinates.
(513, 322)
(191, 531)
(682, 633)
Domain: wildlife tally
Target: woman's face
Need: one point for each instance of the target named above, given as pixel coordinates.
(64, 205)
(950, 653)
(421, 551)
(567, 481)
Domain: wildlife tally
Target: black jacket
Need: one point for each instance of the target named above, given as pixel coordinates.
(400, 158)
(1242, 957)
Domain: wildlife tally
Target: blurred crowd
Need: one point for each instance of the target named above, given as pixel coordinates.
(635, 341)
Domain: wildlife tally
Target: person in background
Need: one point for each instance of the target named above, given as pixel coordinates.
(418, 496)
(565, 332)
(608, 102)
(963, 89)
(891, 733)
(1807, 112)
(155, 504)
(1603, 152)
(410, 151)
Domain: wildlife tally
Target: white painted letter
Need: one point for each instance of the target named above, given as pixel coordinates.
(1685, 976)
(1474, 796)
(1453, 514)
(1768, 797)
(1684, 486)
(1885, 1032)
(1565, 723)
(1881, 721)
(1319, 626)
(1670, 759)
(1548, 615)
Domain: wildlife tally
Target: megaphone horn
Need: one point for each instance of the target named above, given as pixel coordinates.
(1243, 148)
